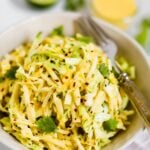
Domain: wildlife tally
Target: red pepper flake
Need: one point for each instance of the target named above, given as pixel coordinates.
(44, 70)
(74, 84)
(86, 83)
(31, 103)
(52, 61)
(66, 77)
(75, 109)
(10, 61)
(68, 123)
(82, 100)
(53, 69)
(57, 80)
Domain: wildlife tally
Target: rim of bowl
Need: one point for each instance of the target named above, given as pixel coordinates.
(75, 15)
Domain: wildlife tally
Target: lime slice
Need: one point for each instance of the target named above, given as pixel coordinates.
(42, 3)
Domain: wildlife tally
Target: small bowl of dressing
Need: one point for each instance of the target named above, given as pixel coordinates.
(118, 13)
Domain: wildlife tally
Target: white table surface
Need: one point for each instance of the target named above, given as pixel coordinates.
(15, 11)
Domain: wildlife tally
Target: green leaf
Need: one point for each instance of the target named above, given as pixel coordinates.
(58, 31)
(110, 125)
(11, 73)
(143, 37)
(85, 39)
(39, 57)
(39, 36)
(74, 5)
(104, 70)
(46, 124)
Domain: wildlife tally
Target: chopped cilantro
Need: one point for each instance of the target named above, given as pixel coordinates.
(70, 66)
(143, 36)
(39, 35)
(85, 39)
(74, 4)
(46, 124)
(39, 57)
(58, 31)
(110, 125)
(11, 73)
(104, 70)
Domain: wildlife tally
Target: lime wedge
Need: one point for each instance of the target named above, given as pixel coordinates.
(42, 3)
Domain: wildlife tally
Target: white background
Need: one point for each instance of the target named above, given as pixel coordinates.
(14, 11)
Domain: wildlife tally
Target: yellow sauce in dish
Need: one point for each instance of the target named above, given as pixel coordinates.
(115, 11)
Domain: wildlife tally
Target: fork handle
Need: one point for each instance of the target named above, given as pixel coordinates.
(139, 102)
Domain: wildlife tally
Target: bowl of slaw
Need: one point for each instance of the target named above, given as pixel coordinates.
(128, 49)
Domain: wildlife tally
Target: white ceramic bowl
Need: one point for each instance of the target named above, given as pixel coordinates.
(128, 48)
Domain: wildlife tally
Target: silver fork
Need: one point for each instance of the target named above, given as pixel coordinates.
(87, 26)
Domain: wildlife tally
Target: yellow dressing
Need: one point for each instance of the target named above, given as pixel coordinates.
(114, 9)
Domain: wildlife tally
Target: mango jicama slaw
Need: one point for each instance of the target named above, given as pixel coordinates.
(61, 93)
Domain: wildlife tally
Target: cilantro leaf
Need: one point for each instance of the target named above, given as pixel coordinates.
(46, 124)
(104, 70)
(11, 73)
(110, 125)
(85, 39)
(58, 31)
(143, 36)
(74, 4)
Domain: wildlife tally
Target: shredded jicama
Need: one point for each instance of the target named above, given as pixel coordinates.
(60, 93)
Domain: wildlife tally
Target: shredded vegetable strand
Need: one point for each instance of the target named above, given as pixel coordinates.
(60, 93)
